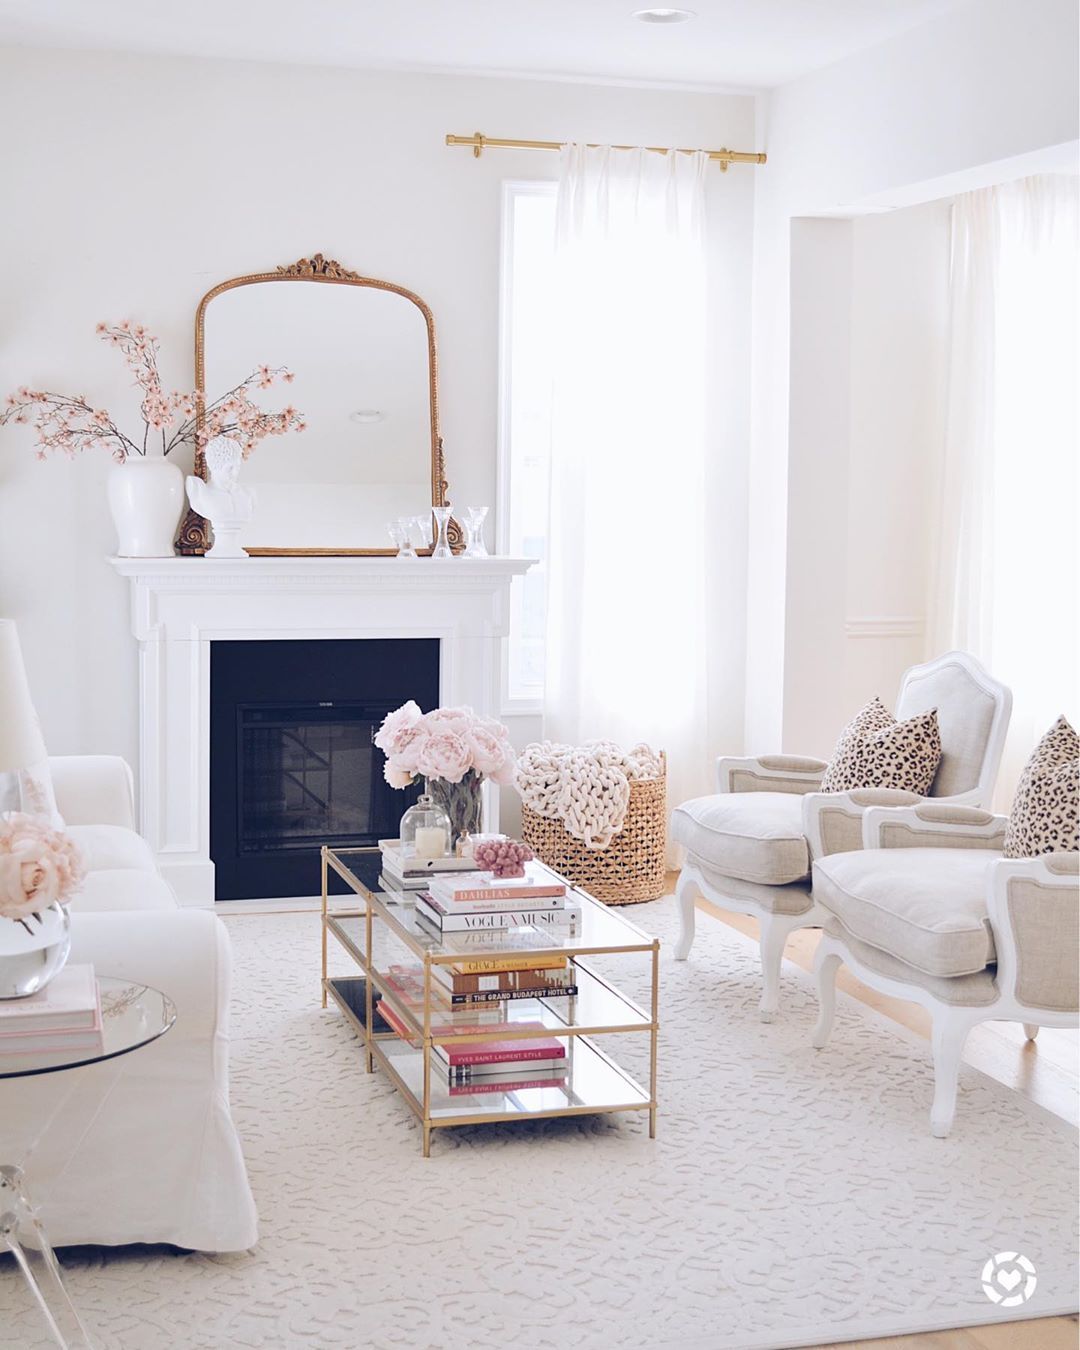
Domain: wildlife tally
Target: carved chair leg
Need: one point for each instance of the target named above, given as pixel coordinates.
(774, 936)
(947, 1039)
(1031, 1030)
(686, 894)
(825, 967)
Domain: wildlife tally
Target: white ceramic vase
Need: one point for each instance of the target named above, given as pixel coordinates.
(146, 496)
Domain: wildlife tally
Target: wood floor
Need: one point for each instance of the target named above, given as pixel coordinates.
(1045, 1071)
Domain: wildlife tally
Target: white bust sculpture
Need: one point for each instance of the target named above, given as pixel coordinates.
(225, 504)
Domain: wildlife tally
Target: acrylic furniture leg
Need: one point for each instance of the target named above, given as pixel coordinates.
(21, 1233)
(1031, 1030)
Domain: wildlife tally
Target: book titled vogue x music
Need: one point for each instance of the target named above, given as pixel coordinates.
(430, 911)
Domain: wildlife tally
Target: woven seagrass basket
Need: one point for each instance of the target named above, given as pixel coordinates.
(631, 869)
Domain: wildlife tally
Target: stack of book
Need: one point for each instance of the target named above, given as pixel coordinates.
(481, 1064)
(61, 1021)
(479, 985)
(477, 903)
(415, 874)
(503, 1065)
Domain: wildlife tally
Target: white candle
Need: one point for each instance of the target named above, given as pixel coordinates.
(430, 841)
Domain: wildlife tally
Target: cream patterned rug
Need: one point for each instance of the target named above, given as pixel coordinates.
(791, 1197)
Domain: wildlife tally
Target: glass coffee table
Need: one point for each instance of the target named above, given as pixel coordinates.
(132, 1015)
(385, 928)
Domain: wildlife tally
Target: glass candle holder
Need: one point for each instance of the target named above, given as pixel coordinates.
(473, 520)
(442, 519)
(425, 830)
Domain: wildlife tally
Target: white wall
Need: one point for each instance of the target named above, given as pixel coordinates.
(952, 100)
(899, 318)
(868, 323)
(817, 507)
(133, 184)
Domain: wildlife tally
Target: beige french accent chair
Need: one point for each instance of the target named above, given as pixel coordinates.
(931, 912)
(750, 846)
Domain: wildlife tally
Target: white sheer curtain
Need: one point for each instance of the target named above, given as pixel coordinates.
(1005, 580)
(625, 614)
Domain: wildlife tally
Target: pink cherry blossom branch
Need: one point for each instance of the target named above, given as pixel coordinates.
(67, 425)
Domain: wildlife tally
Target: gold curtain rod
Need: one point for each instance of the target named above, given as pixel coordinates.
(481, 143)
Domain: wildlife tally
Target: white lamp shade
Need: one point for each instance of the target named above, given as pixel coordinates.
(21, 744)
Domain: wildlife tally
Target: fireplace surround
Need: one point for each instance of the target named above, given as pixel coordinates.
(181, 606)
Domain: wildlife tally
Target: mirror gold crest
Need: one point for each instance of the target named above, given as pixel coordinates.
(363, 358)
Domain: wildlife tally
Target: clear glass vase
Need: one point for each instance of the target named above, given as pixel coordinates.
(461, 802)
(473, 520)
(442, 547)
(32, 950)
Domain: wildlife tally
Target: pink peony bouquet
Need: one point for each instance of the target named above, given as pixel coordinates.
(447, 744)
(39, 865)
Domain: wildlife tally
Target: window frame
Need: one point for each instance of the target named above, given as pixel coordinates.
(511, 190)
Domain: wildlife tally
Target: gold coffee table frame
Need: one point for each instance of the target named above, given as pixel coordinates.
(594, 1083)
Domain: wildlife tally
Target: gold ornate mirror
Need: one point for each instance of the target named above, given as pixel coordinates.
(363, 358)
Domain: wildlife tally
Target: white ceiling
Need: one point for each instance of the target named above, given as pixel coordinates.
(731, 43)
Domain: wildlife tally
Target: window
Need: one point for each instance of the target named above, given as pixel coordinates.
(525, 422)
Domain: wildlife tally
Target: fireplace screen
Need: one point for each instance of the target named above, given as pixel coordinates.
(308, 775)
(292, 766)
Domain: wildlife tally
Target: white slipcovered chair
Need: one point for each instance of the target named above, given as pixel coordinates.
(749, 847)
(930, 911)
(141, 1148)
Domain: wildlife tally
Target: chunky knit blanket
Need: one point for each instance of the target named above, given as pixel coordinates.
(586, 787)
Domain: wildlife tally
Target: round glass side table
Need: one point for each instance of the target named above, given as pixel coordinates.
(132, 1015)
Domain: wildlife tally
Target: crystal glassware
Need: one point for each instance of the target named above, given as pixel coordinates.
(422, 524)
(399, 538)
(442, 519)
(473, 520)
(405, 524)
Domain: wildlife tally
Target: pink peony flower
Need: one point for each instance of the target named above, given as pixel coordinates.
(38, 865)
(405, 748)
(397, 778)
(449, 719)
(445, 755)
(394, 722)
(504, 776)
(489, 751)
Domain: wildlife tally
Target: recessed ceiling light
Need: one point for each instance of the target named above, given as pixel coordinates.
(365, 416)
(664, 15)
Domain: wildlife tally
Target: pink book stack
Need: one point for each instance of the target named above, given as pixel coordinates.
(62, 1020)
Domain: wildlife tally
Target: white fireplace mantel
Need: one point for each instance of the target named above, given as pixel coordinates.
(179, 606)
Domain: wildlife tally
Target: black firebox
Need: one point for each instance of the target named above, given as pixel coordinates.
(292, 766)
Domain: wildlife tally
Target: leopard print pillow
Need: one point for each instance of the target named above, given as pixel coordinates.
(1046, 808)
(875, 750)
